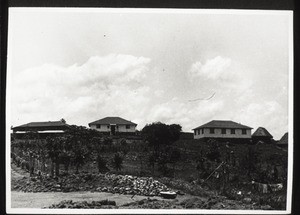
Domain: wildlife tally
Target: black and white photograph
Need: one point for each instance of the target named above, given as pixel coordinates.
(126, 110)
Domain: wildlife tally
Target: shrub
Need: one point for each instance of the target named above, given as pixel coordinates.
(117, 162)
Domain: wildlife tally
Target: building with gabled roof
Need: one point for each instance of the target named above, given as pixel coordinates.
(283, 142)
(262, 135)
(114, 125)
(44, 129)
(222, 130)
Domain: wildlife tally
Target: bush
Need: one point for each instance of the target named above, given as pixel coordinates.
(117, 162)
(101, 162)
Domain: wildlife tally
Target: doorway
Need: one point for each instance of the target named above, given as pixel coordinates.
(113, 129)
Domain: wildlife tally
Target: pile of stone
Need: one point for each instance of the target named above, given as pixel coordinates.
(84, 204)
(122, 184)
(133, 185)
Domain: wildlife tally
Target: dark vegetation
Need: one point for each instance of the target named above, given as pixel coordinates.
(192, 166)
(84, 204)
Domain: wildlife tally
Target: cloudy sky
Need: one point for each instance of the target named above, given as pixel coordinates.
(146, 67)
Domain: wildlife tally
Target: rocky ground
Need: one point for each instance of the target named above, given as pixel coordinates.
(111, 191)
(112, 183)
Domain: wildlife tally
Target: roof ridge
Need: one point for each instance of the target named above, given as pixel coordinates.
(261, 131)
(222, 124)
(43, 121)
(114, 120)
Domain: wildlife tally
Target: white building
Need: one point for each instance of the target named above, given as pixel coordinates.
(114, 125)
(222, 129)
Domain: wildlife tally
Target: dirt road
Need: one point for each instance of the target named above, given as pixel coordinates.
(45, 199)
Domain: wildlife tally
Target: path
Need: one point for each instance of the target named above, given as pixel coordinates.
(45, 199)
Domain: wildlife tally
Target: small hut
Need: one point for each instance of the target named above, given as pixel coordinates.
(283, 142)
(262, 135)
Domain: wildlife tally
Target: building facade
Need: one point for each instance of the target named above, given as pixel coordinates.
(223, 130)
(262, 135)
(113, 126)
(41, 129)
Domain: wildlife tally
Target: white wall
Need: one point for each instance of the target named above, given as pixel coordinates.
(103, 128)
(119, 128)
(122, 128)
(218, 133)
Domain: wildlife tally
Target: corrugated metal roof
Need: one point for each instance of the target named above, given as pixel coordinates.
(42, 124)
(223, 124)
(112, 120)
(261, 132)
(284, 139)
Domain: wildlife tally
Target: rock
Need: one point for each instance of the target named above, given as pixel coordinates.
(247, 200)
(266, 207)
(180, 192)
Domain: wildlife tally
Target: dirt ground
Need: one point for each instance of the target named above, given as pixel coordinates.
(46, 199)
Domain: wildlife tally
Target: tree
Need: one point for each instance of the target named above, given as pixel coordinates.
(80, 139)
(159, 137)
(41, 153)
(151, 162)
(124, 147)
(175, 131)
(213, 153)
(53, 151)
(251, 160)
(101, 163)
(159, 134)
(174, 158)
(117, 162)
(99, 148)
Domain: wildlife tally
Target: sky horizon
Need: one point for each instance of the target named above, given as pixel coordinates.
(184, 68)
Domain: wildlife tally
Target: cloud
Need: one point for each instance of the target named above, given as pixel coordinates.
(269, 114)
(129, 87)
(188, 115)
(241, 97)
(212, 69)
(220, 75)
(101, 86)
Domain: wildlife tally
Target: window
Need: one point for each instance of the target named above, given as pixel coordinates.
(108, 126)
(211, 130)
(195, 132)
(202, 130)
(97, 126)
(127, 126)
(232, 131)
(223, 131)
(244, 131)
